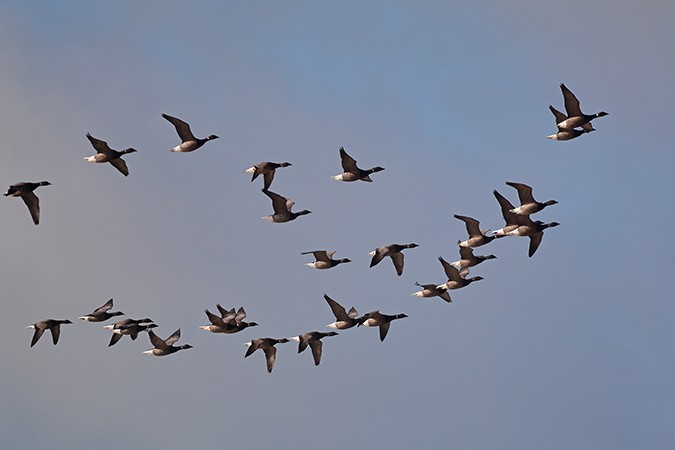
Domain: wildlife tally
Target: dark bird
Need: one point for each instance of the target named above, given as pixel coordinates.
(351, 171)
(343, 319)
(267, 170)
(101, 313)
(25, 190)
(131, 329)
(575, 118)
(377, 319)
(190, 142)
(432, 290)
(324, 259)
(106, 154)
(267, 345)
(313, 339)
(52, 325)
(165, 346)
(229, 322)
(528, 205)
(476, 236)
(394, 251)
(468, 259)
(282, 208)
(455, 278)
(533, 230)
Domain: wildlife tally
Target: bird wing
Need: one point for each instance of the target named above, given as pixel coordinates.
(472, 225)
(338, 311)
(535, 240)
(450, 271)
(156, 341)
(377, 257)
(267, 178)
(173, 338)
(99, 145)
(397, 259)
(278, 202)
(559, 117)
(571, 102)
(524, 192)
(302, 342)
(121, 165)
(114, 339)
(182, 128)
(215, 320)
(33, 203)
(466, 253)
(352, 313)
(445, 296)
(509, 217)
(317, 346)
(348, 163)
(56, 333)
(37, 335)
(101, 309)
(270, 356)
(320, 255)
(384, 329)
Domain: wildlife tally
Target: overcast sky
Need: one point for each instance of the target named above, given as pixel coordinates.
(571, 349)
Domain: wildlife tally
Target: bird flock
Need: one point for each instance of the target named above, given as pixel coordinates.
(518, 222)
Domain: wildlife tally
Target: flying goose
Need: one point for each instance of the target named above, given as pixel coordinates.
(101, 313)
(394, 251)
(476, 236)
(125, 322)
(575, 118)
(313, 339)
(24, 189)
(267, 169)
(432, 290)
(343, 319)
(53, 325)
(190, 142)
(229, 323)
(106, 154)
(282, 208)
(533, 230)
(468, 259)
(132, 330)
(351, 171)
(377, 319)
(528, 205)
(165, 346)
(267, 345)
(456, 280)
(324, 259)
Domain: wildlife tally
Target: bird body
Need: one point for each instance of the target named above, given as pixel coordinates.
(324, 259)
(528, 205)
(476, 236)
(105, 154)
(165, 347)
(313, 340)
(455, 278)
(189, 142)
(394, 251)
(267, 170)
(383, 321)
(343, 319)
(267, 345)
(282, 208)
(53, 325)
(351, 172)
(432, 290)
(468, 259)
(24, 189)
(102, 313)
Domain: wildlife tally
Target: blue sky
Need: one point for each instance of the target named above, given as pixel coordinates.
(572, 348)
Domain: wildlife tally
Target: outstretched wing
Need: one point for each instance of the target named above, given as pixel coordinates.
(33, 203)
(278, 202)
(99, 145)
(101, 309)
(348, 163)
(571, 102)
(472, 225)
(121, 165)
(182, 128)
(524, 192)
